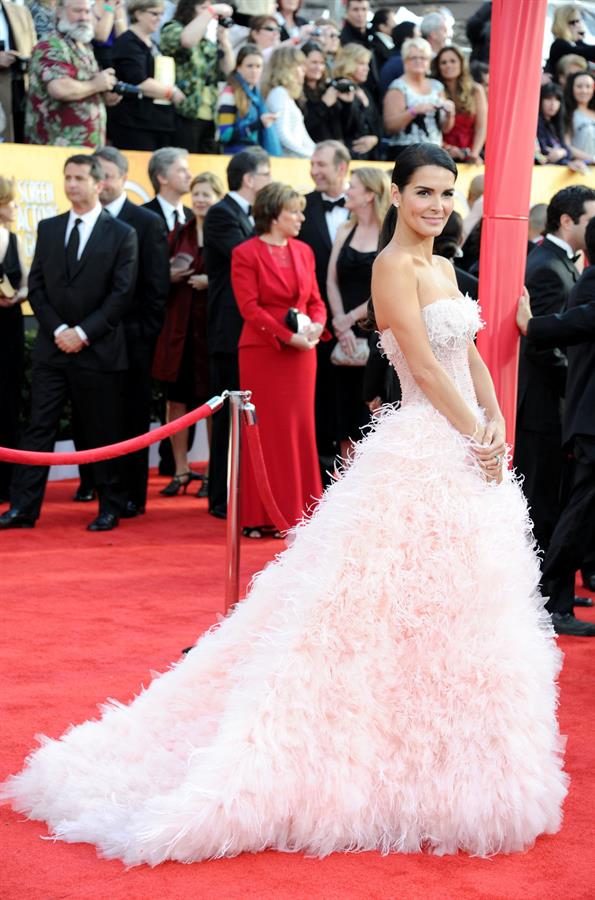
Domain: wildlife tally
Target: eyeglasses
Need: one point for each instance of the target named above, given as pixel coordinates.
(269, 28)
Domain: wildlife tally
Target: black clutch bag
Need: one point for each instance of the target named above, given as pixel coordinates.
(291, 319)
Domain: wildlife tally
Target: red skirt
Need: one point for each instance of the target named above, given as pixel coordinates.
(282, 385)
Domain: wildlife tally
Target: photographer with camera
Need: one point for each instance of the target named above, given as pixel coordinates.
(67, 92)
(322, 114)
(200, 63)
(360, 121)
(144, 120)
(416, 108)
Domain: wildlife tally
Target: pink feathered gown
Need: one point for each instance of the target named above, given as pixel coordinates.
(388, 683)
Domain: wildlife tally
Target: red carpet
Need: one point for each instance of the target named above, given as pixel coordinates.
(87, 616)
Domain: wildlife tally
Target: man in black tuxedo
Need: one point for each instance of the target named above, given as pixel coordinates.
(169, 173)
(144, 320)
(170, 176)
(227, 224)
(324, 213)
(80, 285)
(550, 276)
(574, 533)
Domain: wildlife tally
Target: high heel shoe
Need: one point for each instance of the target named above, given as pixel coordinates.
(203, 491)
(179, 482)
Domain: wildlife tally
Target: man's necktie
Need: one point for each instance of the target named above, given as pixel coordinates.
(72, 247)
(176, 220)
(249, 212)
(329, 205)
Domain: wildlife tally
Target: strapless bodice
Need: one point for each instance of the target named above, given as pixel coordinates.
(451, 323)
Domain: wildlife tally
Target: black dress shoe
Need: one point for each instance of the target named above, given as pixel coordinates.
(131, 510)
(568, 624)
(219, 512)
(103, 522)
(14, 518)
(84, 495)
(583, 601)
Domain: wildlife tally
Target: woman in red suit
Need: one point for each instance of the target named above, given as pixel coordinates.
(270, 274)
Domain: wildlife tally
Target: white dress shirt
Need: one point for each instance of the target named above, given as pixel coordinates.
(169, 210)
(243, 204)
(115, 207)
(560, 243)
(335, 217)
(88, 223)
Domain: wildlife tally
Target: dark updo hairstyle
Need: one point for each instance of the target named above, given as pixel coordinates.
(409, 160)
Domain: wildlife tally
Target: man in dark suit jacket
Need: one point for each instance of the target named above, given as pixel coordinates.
(170, 176)
(80, 286)
(324, 213)
(227, 224)
(355, 31)
(574, 534)
(142, 323)
(550, 276)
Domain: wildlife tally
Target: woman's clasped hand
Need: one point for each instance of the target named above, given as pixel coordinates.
(488, 444)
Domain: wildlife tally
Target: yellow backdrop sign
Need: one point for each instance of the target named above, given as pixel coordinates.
(39, 185)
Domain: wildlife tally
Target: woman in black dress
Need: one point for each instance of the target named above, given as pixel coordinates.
(145, 122)
(348, 288)
(12, 338)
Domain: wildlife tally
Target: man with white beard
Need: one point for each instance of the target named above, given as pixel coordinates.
(67, 92)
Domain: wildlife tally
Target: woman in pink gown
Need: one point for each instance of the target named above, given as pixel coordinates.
(389, 682)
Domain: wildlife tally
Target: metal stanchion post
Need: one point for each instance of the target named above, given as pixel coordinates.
(237, 399)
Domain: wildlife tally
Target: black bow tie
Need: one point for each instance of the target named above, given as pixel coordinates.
(329, 205)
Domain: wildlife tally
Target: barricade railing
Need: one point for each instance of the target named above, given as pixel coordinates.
(243, 422)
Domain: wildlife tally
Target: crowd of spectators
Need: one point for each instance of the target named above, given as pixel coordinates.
(203, 76)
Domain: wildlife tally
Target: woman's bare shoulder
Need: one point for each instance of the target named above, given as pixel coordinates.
(394, 260)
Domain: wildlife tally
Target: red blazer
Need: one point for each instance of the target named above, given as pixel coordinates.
(263, 296)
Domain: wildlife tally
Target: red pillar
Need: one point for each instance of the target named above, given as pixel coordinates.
(515, 77)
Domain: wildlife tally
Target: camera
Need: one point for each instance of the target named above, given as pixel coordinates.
(225, 21)
(343, 85)
(316, 32)
(125, 89)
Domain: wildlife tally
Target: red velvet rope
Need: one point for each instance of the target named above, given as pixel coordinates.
(34, 458)
(252, 436)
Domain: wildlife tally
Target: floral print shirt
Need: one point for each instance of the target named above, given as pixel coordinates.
(63, 123)
(197, 71)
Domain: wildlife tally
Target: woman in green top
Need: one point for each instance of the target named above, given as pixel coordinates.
(200, 63)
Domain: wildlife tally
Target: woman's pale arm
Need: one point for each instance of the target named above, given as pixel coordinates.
(395, 113)
(484, 388)
(333, 293)
(481, 122)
